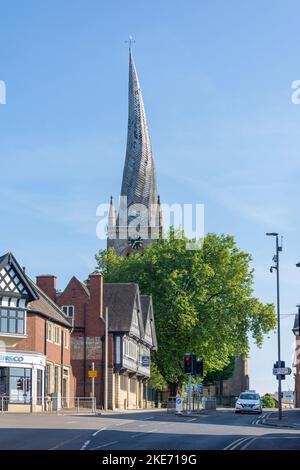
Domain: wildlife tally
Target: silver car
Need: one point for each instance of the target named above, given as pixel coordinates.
(248, 402)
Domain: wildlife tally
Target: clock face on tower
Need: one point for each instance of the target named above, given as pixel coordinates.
(135, 243)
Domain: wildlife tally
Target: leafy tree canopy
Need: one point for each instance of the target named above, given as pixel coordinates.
(203, 299)
(223, 374)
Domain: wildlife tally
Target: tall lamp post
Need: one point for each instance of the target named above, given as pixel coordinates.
(296, 356)
(276, 267)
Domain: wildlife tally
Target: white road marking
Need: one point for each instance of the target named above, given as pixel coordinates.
(151, 417)
(64, 442)
(97, 432)
(247, 444)
(105, 445)
(235, 443)
(152, 430)
(190, 420)
(85, 445)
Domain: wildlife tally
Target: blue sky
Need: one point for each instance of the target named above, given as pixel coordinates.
(216, 79)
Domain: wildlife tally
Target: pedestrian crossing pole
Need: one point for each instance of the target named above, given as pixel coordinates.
(189, 394)
(106, 361)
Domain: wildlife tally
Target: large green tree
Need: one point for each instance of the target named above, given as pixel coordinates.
(203, 299)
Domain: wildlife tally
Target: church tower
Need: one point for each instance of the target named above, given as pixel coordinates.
(140, 204)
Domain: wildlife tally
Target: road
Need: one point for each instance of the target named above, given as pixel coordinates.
(144, 430)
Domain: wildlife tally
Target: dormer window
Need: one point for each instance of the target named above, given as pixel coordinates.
(68, 310)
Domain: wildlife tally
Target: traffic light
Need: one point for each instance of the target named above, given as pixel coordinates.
(199, 368)
(189, 364)
(20, 383)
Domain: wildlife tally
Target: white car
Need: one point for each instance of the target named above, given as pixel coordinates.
(248, 402)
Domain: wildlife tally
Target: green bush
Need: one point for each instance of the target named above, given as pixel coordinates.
(268, 401)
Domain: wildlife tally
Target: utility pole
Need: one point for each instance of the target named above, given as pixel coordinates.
(93, 384)
(189, 394)
(106, 360)
(276, 267)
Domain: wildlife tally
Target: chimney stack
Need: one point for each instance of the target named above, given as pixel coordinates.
(47, 282)
(95, 286)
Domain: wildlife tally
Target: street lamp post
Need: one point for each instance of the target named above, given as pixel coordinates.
(276, 267)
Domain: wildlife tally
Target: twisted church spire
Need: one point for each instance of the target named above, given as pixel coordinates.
(139, 178)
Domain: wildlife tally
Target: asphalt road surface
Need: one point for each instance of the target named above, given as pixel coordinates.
(145, 430)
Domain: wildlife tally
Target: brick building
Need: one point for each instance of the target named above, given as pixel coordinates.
(35, 359)
(297, 362)
(131, 337)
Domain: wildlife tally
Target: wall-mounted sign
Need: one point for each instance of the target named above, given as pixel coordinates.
(16, 359)
(146, 361)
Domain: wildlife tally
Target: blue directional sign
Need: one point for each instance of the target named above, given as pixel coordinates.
(146, 361)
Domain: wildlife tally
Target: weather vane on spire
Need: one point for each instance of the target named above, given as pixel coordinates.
(130, 41)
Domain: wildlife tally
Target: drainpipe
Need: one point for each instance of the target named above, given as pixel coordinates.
(62, 363)
(84, 349)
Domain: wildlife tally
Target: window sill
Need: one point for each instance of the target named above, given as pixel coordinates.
(13, 335)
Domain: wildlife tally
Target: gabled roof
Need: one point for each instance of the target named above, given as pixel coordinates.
(29, 290)
(121, 299)
(296, 325)
(38, 301)
(147, 312)
(79, 283)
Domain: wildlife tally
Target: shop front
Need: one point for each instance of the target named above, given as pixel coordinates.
(21, 381)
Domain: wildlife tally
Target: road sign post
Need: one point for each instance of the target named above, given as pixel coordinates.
(179, 405)
(189, 395)
(282, 371)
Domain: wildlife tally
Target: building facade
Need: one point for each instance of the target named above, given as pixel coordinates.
(131, 338)
(131, 324)
(297, 361)
(35, 361)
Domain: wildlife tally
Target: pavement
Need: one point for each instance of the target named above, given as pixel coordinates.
(290, 419)
(146, 430)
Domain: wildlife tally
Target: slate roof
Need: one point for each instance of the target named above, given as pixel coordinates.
(120, 299)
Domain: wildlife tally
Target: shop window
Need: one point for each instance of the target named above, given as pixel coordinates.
(47, 379)
(12, 321)
(19, 385)
(39, 392)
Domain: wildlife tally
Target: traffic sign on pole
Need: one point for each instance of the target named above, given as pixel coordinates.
(282, 371)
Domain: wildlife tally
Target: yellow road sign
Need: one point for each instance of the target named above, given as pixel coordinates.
(92, 374)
